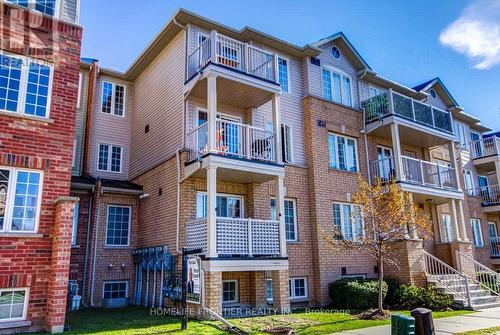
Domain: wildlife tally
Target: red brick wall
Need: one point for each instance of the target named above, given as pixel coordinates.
(43, 145)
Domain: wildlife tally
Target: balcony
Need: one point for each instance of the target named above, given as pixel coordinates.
(430, 176)
(495, 246)
(232, 54)
(411, 114)
(237, 237)
(485, 153)
(490, 196)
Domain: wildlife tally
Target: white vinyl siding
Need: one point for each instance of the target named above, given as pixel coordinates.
(343, 153)
(346, 222)
(477, 234)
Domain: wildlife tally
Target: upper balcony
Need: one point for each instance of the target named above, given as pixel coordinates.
(417, 119)
(490, 196)
(486, 153)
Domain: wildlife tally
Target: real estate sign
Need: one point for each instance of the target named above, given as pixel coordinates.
(193, 294)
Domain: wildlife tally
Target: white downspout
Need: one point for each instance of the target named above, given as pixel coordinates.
(92, 282)
(178, 214)
(363, 131)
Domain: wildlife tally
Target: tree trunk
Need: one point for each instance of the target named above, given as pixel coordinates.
(380, 283)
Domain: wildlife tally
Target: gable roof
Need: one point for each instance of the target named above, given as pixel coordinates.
(437, 81)
(341, 36)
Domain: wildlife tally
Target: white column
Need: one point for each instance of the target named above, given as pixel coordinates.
(454, 220)
(453, 161)
(396, 148)
(461, 220)
(280, 212)
(277, 127)
(211, 111)
(211, 212)
(413, 234)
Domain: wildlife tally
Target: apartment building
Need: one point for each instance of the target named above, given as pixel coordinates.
(39, 66)
(250, 148)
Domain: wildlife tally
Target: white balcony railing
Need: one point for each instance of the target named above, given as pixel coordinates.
(489, 194)
(234, 54)
(233, 139)
(392, 103)
(416, 171)
(495, 246)
(237, 237)
(485, 147)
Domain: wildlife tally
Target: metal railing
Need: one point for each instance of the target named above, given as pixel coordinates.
(237, 237)
(233, 139)
(392, 103)
(495, 246)
(479, 273)
(453, 280)
(223, 50)
(485, 147)
(415, 171)
(490, 195)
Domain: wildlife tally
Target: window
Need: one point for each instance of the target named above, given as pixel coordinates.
(290, 218)
(73, 160)
(109, 162)
(286, 143)
(113, 99)
(227, 206)
(492, 230)
(345, 223)
(461, 134)
(115, 290)
(433, 94)
(447, 231)
(335, 52)
(13, 304)
(343, 153)
(229, 291)
(80, 83)
(47, 7)
(269, 290)
(284, 74)
(336, 86)
(20, 193)
(74, 229)
(24, 86)
(469, 182)
(298, 288)
(373, 91)
(118, 226)
(477, 234)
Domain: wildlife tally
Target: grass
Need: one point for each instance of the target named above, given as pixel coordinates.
(489, 331)
(138, 321)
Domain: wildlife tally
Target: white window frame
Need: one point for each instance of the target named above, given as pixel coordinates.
(287, 60)
(236, 288)
(115, 282)
(295, 225)
(26, 303)
(461, 135)
(11, 192)
(291, 283)
(494, 224)
(377, 90)
(337, 152)
(23, 86)
(342, 218)
(284, 126)
(129, 227)
(73, 161)
(446, 230)
(110, 153)
(80, 90)
(113, 98)
(269, 299)
(74, 228)
(227, 195)
(469, 177)
(341, 73)
(31, 6)
(477, 243)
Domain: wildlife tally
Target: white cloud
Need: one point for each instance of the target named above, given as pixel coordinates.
(476, 33)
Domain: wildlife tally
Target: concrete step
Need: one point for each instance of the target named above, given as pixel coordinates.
(488, 299)
(486, 306)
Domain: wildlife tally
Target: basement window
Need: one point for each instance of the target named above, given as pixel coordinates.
(115, 290)
(13, 304)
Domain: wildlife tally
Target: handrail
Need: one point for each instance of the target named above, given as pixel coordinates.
(453, 280)
(485, 147)
(483, 275)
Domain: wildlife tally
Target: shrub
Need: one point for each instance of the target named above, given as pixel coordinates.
(410, 297)
(392, 285)
(355, 294)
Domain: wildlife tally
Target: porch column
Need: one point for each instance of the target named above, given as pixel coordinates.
(453, 161)
(396, 148)
(461, 220)
(211, 212)
(413, 234)
(280, 213)
(454, 220)
(277, 127)
(211, 111)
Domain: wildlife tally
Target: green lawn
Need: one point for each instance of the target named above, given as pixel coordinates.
(138, 321)
(490, 331)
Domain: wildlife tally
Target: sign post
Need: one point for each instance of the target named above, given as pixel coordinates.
(191, 284)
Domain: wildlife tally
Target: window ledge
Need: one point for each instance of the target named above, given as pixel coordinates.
(14, 324)
(27, 117)
(299, 299)
(118, 247)
(75, 246)
(343, 171)
(22, 235)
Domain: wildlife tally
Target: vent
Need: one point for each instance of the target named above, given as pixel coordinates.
(315, 61)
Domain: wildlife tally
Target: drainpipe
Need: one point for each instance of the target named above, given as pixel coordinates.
(87, 247)
(94, 69)
(178, 219)
(363, 131)
(92, 281)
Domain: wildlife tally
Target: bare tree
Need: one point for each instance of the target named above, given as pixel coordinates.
(386, 214)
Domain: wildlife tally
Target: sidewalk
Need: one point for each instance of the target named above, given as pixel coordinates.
(446, 326)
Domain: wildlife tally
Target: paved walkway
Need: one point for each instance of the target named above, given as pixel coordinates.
(455, 324)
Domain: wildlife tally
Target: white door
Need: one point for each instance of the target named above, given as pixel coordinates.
(385, 163)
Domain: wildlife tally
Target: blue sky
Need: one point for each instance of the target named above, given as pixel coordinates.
(406, 41)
